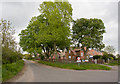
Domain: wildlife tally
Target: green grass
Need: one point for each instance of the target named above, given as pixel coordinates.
(113, 63)
(84, 66)
(10, 70)
(0, 74)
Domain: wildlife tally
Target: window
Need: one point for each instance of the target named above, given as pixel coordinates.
(81, 54)
(69, 51)
(69, 57)
(73, 57)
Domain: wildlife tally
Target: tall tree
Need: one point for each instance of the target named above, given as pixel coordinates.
(27, 37)
(7, 33)
(9, 46)
(109, 49)
(50, 30)
(59, 16)
(88, 33)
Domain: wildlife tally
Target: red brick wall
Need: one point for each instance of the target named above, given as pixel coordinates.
(82, 57)
(91, 52)
(94, 52)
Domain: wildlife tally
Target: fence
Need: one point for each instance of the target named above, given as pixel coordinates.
(96, 61)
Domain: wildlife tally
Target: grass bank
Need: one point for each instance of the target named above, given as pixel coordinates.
(113, 63)
(84, 66)
(10, 70)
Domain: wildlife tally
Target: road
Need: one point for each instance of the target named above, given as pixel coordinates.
(35, 72)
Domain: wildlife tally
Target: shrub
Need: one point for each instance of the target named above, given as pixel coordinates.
(97, 56)
(10, 56)
(10, 70)
(111, 56)
(42, 57)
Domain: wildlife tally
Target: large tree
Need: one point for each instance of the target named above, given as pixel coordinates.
(27, 37)
(50, 30)
(7, 34)
(59, 16)
(88, 33)
(9, 46)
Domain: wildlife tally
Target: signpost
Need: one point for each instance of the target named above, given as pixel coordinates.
(53, 58)
(78, 61)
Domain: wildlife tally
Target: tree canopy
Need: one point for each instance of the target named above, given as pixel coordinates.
(50, 30)
(7, 33)
(10, 53)
(88, 33)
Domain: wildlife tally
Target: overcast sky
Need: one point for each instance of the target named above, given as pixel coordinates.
(20, 13)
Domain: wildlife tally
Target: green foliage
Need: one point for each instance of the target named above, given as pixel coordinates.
(118, 60)
(48, 31)
(118, 55)
(97, 56)
(10, 56)
(28, 56)
(83, 66)
(105, 56)
(88, 33)
(10, 70)
(113, 63)
(7, 33)
(42, 57)
(58, 17)
(10, 53)
(111, 56)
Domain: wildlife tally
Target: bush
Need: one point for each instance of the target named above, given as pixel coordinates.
(111, 56)
(97, 57)
(42, 57)
(10, 56)
(113, 63)
(10, 70)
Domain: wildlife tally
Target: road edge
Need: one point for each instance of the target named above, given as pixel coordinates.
(19, 74)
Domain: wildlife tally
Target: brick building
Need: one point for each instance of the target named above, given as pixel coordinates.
(72, 54)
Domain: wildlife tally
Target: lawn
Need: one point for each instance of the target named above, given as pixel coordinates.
(84, 66)
(113, 63)
(10, 70)
(0, 74)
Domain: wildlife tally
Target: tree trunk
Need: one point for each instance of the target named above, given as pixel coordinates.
(55, 50)
(85, 53)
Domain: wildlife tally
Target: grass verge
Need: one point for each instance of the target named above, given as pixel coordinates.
(10, 70)
(84, 66)
(113, 63)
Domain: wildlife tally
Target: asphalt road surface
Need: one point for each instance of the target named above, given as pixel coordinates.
(35, 72)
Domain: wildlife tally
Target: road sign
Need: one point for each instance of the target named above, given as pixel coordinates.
(86, 60)
(78, 59)
(53, 57)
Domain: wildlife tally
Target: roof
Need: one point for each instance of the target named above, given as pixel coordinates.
(76, 49)
(73, 51)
